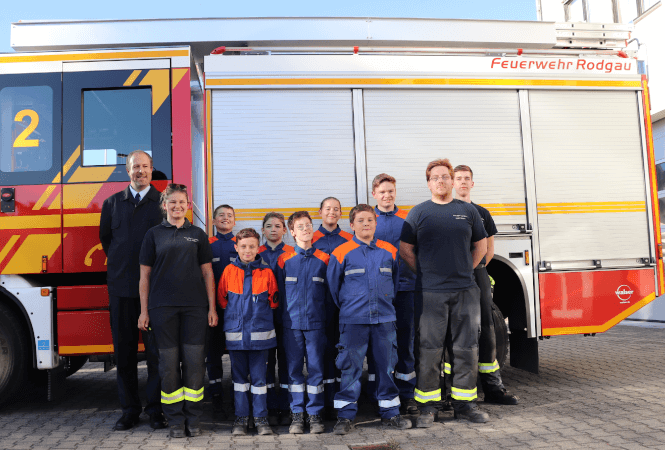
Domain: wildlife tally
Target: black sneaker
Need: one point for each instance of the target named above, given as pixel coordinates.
(425, 419)
(297, 424)
(472, 414)
(397, 422)
(262, 426)
(177, 431)
(316, 424)
(240, 426)
(343, 426)
(409, 406)
(501, 397)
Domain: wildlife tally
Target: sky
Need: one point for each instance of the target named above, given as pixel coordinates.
(16, 10)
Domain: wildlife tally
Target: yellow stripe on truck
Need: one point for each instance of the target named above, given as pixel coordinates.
(28, 257)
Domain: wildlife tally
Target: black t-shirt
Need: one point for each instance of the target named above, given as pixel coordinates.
(488, 223)
(176, 256)
(442, 236)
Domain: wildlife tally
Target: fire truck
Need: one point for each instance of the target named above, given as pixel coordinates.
(275, 114)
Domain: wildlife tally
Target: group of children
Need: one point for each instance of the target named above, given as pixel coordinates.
(328, 301)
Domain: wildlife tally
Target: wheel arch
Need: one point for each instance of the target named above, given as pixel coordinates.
(7, 298)
(507, 267)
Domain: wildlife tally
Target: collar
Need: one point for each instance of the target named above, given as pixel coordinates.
(151, 193)
(328, 233)
(309, 252)
(226, 237)
(258, 261)
(168, 224)
(389, 213)
(359, 242)
(277, 248)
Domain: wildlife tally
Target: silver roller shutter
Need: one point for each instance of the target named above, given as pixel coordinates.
(406, 129)
(590, 184)
(282, 150)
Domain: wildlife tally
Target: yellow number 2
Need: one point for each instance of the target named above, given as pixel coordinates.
(21, 140)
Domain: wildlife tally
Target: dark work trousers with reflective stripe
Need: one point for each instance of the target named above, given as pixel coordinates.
(436, 314)
(488, 366)
(181, 337)
(405, 372)
(331, 374)
(124, 313)
(355, 342)
(252, 363)
(278, 387)
(300, 344)
(216, 346)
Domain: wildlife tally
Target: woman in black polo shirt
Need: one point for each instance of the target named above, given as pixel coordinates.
(177, 291)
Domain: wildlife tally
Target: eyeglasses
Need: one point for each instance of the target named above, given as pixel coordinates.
(304, 227)
(443, 178)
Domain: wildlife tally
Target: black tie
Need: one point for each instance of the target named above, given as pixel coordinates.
(138, 198)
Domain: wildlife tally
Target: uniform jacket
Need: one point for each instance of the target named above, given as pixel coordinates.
(327, 241)
(122, 226)
(223, 252)
(389, 229)
(271, 256)
(301, 277)
(363, 281)
(247, 293)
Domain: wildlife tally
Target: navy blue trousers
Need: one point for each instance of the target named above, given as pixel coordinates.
(216, 345)
(252, 363)
(312, 344)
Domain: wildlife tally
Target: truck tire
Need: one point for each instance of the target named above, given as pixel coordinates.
(501, 332)
(14, 353)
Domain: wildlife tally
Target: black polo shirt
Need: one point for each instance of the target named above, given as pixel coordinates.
(488, 223)
(176, 255)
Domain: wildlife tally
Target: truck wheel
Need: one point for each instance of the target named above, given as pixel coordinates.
(501, 332)
(14, 353)
(74, 363)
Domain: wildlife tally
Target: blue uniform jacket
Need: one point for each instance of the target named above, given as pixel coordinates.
(247, 293)
(223, 252)
(363, 281)
(389, 228)
(271, 256)
(328, 241)
(301, 278)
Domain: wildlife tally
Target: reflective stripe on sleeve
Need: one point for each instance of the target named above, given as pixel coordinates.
(464, 394)
(315, 389)
(233, 336)
(424, 397)
(193, 396)
(258, 390)
(389, 403)
(386, 269)
(319, 279)
(263, 335)
(241, 387)
(352, 271)
(488, 367)
(174, 397)
(294, 279)
(215, 260)
(405, 376)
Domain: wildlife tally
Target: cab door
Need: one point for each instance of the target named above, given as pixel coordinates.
(30, 163)
(111, 108)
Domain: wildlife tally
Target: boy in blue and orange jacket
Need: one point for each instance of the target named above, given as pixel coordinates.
(247, 293)
(223, 253)
(301, 277)
(363, 276)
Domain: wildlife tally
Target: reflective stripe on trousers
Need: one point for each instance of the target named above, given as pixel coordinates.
(488, 367)
(464, 394)
(193, 396)
(174, 397)
(431, 396)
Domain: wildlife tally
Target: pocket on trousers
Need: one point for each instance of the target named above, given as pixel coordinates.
(343, 360)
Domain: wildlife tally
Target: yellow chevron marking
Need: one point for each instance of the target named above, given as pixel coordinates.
(27, 222)
(159, 80)
(56, 203)
(8, 247)
(132, 78)
(80, 220)
(28, 258)
(72, 159)
(86, 174)
(176, 76)
(78, 196)
(45, 195)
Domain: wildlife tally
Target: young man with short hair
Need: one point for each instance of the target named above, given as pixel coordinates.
(488, 366)
(363, 276)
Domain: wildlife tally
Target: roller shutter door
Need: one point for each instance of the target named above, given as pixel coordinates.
(590, 182)
(406, 129)
(282, 151)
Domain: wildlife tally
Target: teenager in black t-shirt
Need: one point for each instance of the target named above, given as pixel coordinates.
(177, 289)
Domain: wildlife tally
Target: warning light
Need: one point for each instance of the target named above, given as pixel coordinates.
(45, 292)
(526, 257)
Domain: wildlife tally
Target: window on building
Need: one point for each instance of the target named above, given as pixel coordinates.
(26, 129)
(115, 123)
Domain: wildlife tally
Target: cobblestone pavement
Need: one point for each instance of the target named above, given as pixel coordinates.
(604, 392)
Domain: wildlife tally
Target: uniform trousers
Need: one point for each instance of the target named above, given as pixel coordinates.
(181, 338)
(216, 346)
(249, 365)
(300, 344)
(436, 315)
(331, 374)
(124, 313)
(355, 342)
(278, 387)
(488, 366)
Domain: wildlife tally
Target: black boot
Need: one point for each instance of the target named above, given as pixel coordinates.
(297, 424)
(343, 426)
(240, 426)
(472, 413)
(316, 424)
(397, 422)
(262, 426)
(500, 397)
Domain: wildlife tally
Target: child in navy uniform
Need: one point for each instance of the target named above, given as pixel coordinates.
(301, 277)
(363, 276)
(247, 294)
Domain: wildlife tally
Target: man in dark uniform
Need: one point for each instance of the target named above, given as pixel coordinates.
(125, 219)
(488, 366)
(436, 244)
